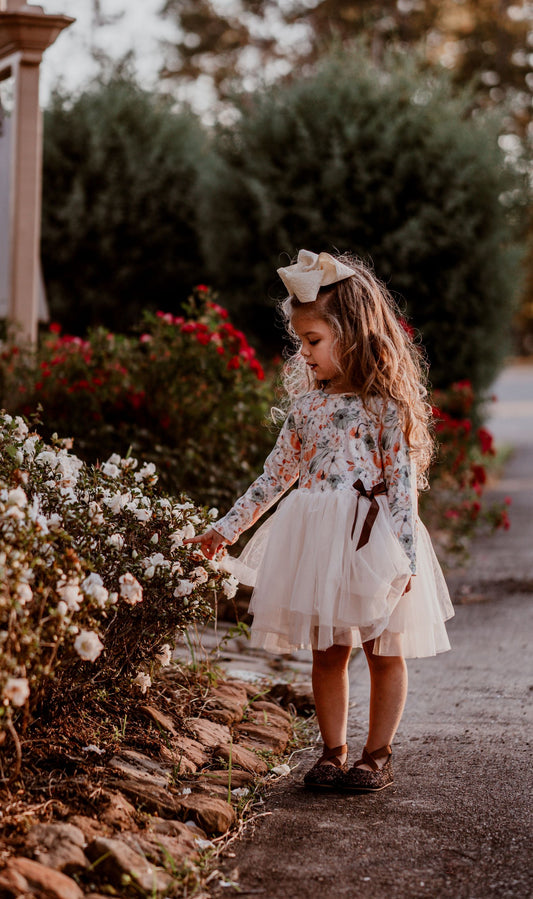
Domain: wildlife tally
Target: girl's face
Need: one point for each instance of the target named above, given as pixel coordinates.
(317, 344)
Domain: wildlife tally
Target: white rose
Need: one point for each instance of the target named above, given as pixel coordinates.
(183, 507)
(62, 609)
(114, 459)
(116, 540)
(184, 588)
(229, 586)
(29, 445)
(69, 591)
(93, 586)
(142, 515)
(14, 512)
(54, 521)
(164, 656)
(110, 470)
(117, 502)
(188, 532)
(46, 458)
(157, 560)
(17, 497)
(176, 539)
(17, 690)
(199, 575)
(147, 471)
(95, 514)
(143, 681)
(24, 593)
(88, 646)
(21, 429)
(130, 589)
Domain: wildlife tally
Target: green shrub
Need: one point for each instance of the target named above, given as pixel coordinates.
(119, 230)
(385, 163)
(186, 393)
(454, 508)
(95, 579)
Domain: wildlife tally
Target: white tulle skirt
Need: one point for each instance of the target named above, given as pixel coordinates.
(313, 589)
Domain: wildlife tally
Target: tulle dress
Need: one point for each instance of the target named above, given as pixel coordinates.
(344, 558)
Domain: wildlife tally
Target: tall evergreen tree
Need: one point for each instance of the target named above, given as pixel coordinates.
(385, 163)
(119, 230)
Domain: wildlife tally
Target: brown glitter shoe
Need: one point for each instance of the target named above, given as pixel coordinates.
(327, 776)
(357, 780)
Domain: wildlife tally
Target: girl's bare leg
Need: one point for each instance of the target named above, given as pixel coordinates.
(388, 692)
(330, 689)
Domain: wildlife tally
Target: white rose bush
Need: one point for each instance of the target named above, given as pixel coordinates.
(95, 582)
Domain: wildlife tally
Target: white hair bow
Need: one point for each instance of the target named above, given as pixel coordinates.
(311, 272)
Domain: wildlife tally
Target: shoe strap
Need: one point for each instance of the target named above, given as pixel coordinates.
(369, 758)
(330, 755)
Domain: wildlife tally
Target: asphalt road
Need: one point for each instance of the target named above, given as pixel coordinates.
(457, 822)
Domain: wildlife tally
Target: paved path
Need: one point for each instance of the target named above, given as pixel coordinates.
(457, 822)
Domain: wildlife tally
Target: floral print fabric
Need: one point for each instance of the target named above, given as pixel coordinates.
(328, 442)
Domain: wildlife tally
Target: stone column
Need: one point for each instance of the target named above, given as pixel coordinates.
(25, 33)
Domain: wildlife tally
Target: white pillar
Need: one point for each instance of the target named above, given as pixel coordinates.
(25, 33)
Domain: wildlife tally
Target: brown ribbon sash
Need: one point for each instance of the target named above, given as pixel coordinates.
(379, 490)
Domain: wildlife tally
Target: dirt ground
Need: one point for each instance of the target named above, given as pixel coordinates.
(457, 822)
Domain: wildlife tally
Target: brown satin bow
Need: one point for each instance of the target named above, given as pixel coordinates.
(373, 509)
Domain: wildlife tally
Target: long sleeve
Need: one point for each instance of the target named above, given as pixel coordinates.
(400, 479)
(281, 470)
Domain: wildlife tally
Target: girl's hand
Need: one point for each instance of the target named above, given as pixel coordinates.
(209, 541)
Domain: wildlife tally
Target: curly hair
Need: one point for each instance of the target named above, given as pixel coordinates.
(374, 352)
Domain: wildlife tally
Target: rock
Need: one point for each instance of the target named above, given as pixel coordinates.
(202, 787)
(298, 695)
(241, 758)
(58, 846)
(40, 879)
(129, 769)
(252, 689)
(191, 749)
(12, 884)
(174, 828)
(264, 737)
(121, 865)
(144, 761)
(179, 760)
(212, 814)
(119, 813)
(158, 847)
(225, 777)
(152, 799)
(230, 691)
(160, 718)
(209, 733)
(267, 719)
(90, 827)
(222, 715)
(226, 704)
(272, 710)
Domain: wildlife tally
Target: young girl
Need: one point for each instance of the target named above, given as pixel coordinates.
(344, 561)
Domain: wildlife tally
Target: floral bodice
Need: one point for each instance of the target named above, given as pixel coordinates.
(329, 441)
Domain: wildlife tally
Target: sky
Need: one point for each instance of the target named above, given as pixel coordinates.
(134, 25)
